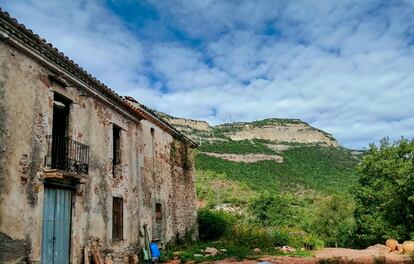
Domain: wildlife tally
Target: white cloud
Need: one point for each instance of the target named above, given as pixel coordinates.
(343, 66)
(183, 68)
(88, 33)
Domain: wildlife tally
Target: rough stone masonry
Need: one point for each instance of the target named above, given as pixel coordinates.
(79, 163)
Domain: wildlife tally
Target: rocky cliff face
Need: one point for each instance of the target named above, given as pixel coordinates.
(289, 133)
(278, 130)
(189, 123)
(185, 124)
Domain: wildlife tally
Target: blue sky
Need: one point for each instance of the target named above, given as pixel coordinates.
(343, 66)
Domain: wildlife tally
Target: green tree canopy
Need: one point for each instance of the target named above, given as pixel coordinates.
(334, 222)
(385, 195)
(272, 210)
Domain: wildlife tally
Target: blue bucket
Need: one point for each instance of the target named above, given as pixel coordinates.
(155, 252)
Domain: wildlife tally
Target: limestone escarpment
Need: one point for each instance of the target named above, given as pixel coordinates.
(296, 133)
(193, 124)
(284, 131)
(185, 124)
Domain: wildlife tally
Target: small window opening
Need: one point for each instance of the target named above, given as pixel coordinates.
(116, 147)
(117, 218)
(152, 131)
(158, 211)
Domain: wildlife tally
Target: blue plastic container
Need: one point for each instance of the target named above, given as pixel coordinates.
(155, 251)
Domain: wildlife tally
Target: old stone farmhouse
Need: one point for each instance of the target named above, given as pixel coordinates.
(81, 164)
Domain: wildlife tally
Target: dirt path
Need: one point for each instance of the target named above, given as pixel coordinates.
(362, 256)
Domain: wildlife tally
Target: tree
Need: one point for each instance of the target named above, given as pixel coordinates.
(212, 225)
(272, 210)
(385, 194)
(334, 222)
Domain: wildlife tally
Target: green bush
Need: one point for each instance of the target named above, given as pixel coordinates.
(281, 238)
(266, 238)
(333, 221)
(274, 210)
(251, 236)
(311, 242)
(212, 225)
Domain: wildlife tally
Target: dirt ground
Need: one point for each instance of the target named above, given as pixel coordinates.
(343, 255)
(362, 256)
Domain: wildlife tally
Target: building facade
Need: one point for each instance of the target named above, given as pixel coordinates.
(82, 168)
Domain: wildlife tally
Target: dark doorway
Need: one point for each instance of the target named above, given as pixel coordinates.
(59, 131)
(116, 149)
(60, 115)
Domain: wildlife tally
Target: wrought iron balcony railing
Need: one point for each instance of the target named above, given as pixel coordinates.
(66, 154)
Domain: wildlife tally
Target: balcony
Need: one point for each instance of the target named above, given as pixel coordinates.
(67, 155)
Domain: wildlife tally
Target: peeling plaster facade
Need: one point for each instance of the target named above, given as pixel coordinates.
(156, 164)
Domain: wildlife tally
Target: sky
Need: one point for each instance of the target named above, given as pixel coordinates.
(346, 67)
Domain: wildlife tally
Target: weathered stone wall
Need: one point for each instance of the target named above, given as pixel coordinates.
(184, 190)
(24, 118)
(148, 173)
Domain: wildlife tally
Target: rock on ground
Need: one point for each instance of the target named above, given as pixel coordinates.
(211, 251)
(257, 251)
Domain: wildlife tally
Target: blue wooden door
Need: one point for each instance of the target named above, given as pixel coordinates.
(56, 226)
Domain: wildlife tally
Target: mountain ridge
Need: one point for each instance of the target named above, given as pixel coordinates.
(237, 161)
(273, 129)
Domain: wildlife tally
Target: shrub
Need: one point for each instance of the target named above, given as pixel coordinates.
(334, 221)
(281, 238)
(266, 238)
(212, 225)
(251, 236)
(274, 210)
(311, 242)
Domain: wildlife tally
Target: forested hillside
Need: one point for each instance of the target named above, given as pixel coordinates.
(310, 162)
(280, 173)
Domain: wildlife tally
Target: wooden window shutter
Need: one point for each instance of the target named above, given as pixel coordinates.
(117, 218)
(158, 211)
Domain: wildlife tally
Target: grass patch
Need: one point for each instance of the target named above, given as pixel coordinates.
(192, 251)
